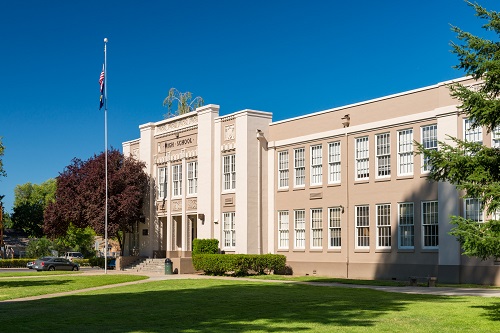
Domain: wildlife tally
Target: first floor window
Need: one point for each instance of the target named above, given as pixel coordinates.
(229, 230)
(474, 210)
(316, 228)
(283, 229)
(384, 226)
(162, 183)
(283, 169)
(299, 167)
(334, 230)
(229, 170)
(406, 225)
(177, 180)
(192, 177)
(362, 227)
(430, 226)
(300, 229)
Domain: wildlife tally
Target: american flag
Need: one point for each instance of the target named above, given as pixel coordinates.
(101, 83)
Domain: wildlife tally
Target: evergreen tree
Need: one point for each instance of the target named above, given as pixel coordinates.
(472, 167)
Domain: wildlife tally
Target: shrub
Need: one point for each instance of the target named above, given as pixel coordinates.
(205, 246)
(14, 263)
(238, 264)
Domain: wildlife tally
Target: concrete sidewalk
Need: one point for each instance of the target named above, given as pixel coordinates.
(438, 291)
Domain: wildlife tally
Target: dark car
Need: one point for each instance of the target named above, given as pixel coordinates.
(55, 263)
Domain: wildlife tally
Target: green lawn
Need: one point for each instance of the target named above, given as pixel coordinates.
(211, 305)
(40, 284)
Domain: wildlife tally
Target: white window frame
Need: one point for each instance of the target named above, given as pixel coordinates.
(383, 155)
(362, 156)
(299, 228)
(334, 165)
(472, 134)
(299, 167)
(316, 228)
(283, 169)
(334, 228)
(405, 152)
(316, 165)
(362, 219)
(430, 225)
(162, 182)
(384, 236)
(229, 230)
(176, 180)
(192, 176)
(473, 210)
(495, 137)
(430, 142)
(406, 225)
(283, 229)
(229, 172)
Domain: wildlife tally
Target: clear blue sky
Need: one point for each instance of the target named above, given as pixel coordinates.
(287, 57)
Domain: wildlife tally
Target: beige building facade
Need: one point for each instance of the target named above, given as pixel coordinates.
(339, 192)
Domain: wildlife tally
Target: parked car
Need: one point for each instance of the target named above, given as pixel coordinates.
(55, 263)
(73, 255)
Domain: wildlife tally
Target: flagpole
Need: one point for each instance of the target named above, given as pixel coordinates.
(106, 158)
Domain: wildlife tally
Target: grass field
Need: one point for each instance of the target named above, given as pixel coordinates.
(211, 305)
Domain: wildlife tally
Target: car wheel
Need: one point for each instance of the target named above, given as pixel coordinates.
(75, 268)
(52, 268)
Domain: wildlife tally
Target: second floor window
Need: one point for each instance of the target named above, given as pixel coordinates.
(283, 169)
(162, 183)
(429, 141)
(192, 176)
(383, 155)
(177, 180)
(299, 167)
(316, 165)
(473, 210)
(405, 152)
(472, 134)
(229, 169)
(362, 158)
(334, 162)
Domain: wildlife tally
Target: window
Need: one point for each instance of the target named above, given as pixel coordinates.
(362, 158)
(334, 162)
(299, 167)
(316, 165)
(472, 134)
(429, 141)
(384, 226)
(474, 210)
(495, 137)
(316, 228)
(192, 177)
(283, 169)
(383, 147)
(362, 227)
(177, 180)
(162, 183)
(334, 230)
(229, 169)
(283, 225)
(406, 225)
(229, 230)
(430, 224)
(405, 152)
(300, 229)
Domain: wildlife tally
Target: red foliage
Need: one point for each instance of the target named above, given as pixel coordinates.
(81, 195)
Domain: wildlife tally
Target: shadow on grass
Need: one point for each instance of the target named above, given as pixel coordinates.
(492, 311)
(21, 283)
(207, 306)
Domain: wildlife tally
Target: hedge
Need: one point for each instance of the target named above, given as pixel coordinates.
(238, 264)
(21, 263)
(205, 246)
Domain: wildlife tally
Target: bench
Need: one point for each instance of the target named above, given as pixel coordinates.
(431, 280)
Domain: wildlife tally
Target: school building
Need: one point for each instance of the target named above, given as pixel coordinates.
(339, 192)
